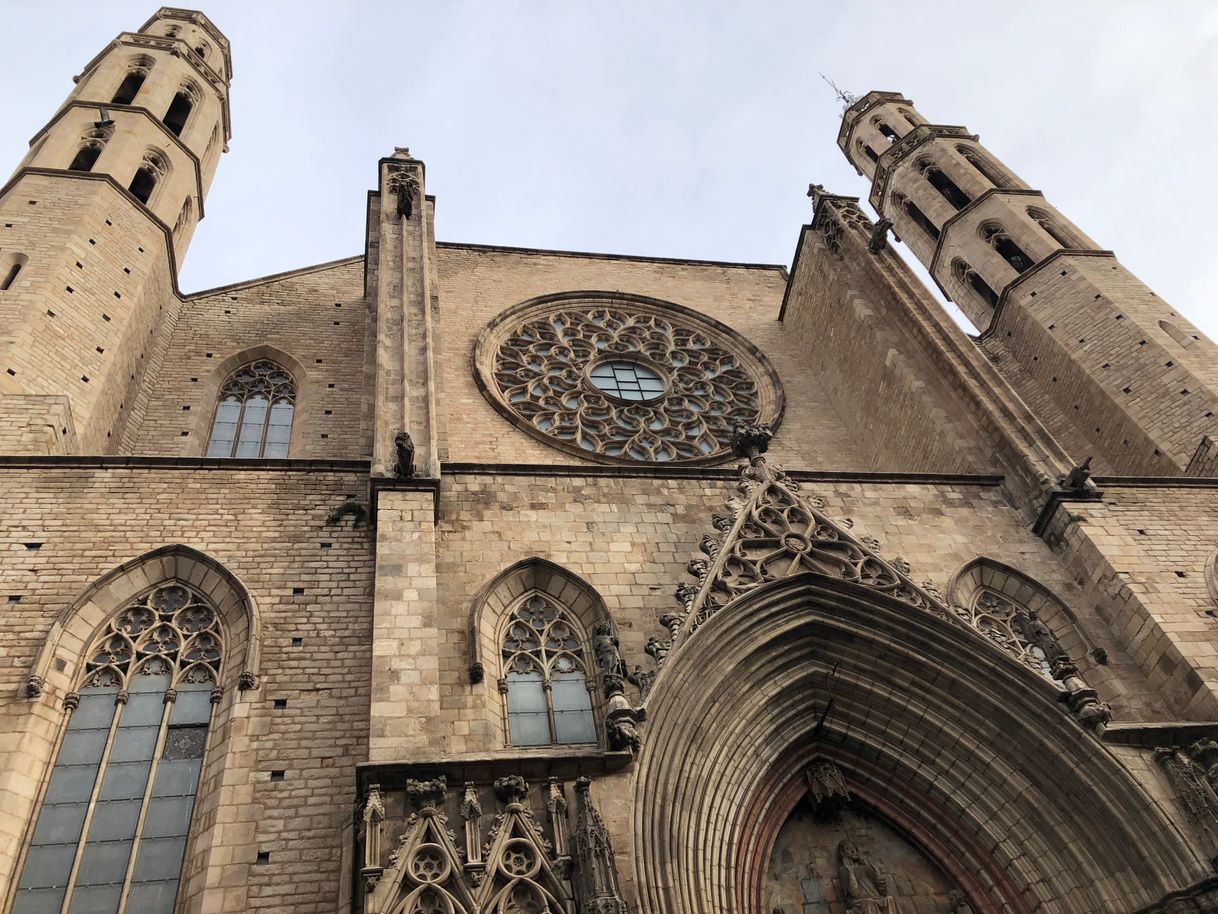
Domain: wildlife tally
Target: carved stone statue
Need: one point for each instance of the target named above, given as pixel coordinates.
(957, 903)
(605, 647)
(864, 886)
(657, 649)
(403, 446)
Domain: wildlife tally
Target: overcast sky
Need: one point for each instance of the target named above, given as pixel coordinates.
(671, 129)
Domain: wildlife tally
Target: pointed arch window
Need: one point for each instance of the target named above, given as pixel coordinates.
(919, 218)
(1050, 228)
(981, 165)
(1000, 240)
(547, 692)
(179, 109)
(866, 149)
(152, 171)
(944, 185)
(91, 145)
(112, 829)
(133, 81)
(971, 278)
(254, 415)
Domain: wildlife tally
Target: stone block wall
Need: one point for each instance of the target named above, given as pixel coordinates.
(312, 321)
(312, 583)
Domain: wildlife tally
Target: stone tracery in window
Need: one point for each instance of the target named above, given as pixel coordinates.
(112, 829)
(545, 684)
(546, 369)
(254, 415)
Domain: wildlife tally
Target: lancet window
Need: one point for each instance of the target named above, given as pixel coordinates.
(971, 278)
(998, 238)
(1050, 228)
(915, 213)
(254, 415)
(948, 188)
(984, 168)
(545, 683)
(111, 833)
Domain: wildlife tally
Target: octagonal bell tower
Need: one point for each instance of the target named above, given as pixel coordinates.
(1114, 371)
(94, 224)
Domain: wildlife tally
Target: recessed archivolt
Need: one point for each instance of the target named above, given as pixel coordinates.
(958, 752)
(62, 655)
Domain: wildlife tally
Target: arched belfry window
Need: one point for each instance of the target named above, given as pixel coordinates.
(133, 80)
(971, 278)
(152, 171)
(1051, 228)
(254, 415)
(981, 165)
(179, 109)
(545, 684)
(111, 833)
(91, 145)
(1000, 240)
(916, 215)
(948, 188)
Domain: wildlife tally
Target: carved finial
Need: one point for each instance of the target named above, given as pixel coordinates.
(511, 789)
(426, 794)
(401, 152)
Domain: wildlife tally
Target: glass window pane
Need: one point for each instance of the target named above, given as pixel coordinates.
(192, 707)
(39, 901)
(220, 447)
(95, 899)
(124, 781)
(95, 711)
(276, 450)
(574, 727)
(529, 729)
(71, 783)
(47, 866)
(143, 709)
(133, 744)
(569, 692)
(82, 747)
(525, 692)
(158, 857)
(103, 862)
(168, 816)
(176, 778)
(115, 820)
(152, 897)
(60, 823)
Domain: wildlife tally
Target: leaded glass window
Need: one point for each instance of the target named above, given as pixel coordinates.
(547, 692)
(254, 415)
(111, 832)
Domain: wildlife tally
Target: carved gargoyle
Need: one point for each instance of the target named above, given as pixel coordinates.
(1078, 480)
(403, 447)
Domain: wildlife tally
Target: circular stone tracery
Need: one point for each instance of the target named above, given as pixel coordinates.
(625, 379)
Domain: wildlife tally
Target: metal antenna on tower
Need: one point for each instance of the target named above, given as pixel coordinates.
(846, 98)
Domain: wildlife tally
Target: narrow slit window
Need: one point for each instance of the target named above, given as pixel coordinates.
(254, 416)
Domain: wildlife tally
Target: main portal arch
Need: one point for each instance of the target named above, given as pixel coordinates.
(966, 755)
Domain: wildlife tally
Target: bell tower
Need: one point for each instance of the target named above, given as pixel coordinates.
(1111, 369)
(94, 224)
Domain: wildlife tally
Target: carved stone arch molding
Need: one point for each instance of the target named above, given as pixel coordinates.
(976, 762)
(60, 658)
(551, 365)
(1211, 575)
(985, 574)
(209, 393)
(494, 599)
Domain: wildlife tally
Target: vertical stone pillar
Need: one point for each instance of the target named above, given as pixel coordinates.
(404, 297)
(405, 631)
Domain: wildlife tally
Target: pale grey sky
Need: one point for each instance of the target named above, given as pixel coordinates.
(672, 129)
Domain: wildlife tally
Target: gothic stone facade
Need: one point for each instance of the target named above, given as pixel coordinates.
(453, 578)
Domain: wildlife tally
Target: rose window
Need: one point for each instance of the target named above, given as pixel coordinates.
(625, 379)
